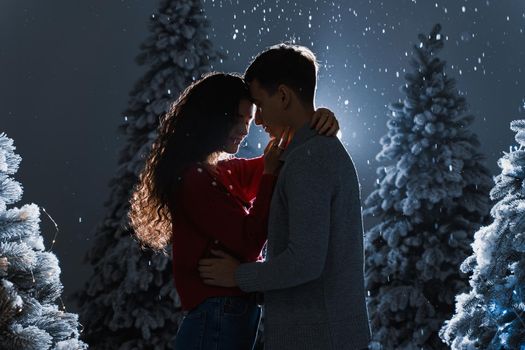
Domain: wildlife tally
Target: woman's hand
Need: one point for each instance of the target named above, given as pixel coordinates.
(325, 122)
(273, 151)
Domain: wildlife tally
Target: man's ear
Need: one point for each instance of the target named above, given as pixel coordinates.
(284, 95)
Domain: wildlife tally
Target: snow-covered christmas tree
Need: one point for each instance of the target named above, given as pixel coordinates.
(430, 198)
(130, 301)
(29, 275)
(491, 315)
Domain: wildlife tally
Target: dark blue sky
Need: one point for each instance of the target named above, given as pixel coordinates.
(66, 69)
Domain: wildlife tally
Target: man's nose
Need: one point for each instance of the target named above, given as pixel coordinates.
(258, 118)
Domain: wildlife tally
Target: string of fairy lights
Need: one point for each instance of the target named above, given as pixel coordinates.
(4, 263)
(51, 248)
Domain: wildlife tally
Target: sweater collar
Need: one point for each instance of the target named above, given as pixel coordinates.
(302, 134)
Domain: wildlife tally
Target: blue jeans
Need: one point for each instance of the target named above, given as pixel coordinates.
(220, 323)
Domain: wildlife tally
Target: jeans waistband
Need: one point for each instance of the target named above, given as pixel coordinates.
(247, 296)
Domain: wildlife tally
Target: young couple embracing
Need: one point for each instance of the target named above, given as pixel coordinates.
(301, 198)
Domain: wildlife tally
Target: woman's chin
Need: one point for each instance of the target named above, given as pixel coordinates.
(233, 149)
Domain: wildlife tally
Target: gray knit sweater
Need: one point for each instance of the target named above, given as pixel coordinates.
(313, 276)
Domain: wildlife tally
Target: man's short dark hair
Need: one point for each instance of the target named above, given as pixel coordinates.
(291, 65)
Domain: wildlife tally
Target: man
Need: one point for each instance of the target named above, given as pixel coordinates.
(312, 279)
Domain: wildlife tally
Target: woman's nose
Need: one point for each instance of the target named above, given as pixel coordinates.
(242, 130)
(245, 130)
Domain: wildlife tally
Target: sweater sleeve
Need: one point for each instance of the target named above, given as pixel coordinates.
(219, 216)
(248, 173)
(308, 191)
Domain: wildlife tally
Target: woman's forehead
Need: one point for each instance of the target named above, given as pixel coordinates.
(246, 107)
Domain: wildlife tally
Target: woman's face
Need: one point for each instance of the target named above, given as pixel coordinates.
(241, 128)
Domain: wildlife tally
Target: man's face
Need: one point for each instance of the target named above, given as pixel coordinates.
(269, 112)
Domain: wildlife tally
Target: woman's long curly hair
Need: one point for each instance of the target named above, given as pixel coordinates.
(195, 129)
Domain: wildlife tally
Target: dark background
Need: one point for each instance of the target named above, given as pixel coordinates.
(66, 68)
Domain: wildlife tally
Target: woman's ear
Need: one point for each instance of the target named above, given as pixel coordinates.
(284, 95)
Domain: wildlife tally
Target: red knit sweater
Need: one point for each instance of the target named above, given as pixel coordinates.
(213, 212)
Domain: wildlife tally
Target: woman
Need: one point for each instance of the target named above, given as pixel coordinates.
(193, 193)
